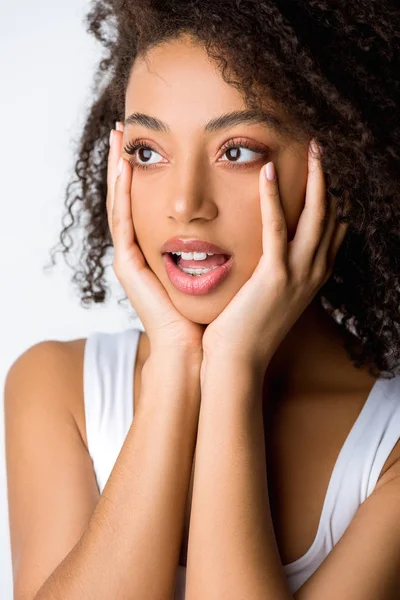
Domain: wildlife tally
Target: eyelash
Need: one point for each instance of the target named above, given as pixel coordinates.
(135, 145)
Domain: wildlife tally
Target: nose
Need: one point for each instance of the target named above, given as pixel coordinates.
(190, 195)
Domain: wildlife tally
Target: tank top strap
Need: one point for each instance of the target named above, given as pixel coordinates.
(109, 360)
(372, 438)
(383, 435)
(354, 475)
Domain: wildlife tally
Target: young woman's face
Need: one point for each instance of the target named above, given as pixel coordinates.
(192, 186)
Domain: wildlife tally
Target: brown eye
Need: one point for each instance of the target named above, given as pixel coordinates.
(145, 149)
(143, 154)
(238, 149)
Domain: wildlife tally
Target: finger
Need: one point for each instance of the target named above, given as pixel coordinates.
(109, 199)
(122, 221)
(337, 241)
(323, 248)
(113, 156)
(313, 219)
(274, 228)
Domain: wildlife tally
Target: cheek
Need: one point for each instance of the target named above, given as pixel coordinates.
(243, 227)
(292, 188)
(144, 223)
(245, 218)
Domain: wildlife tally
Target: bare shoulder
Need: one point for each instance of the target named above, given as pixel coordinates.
(75, 350)
(52, 489)
(61, 363)
(52, 357)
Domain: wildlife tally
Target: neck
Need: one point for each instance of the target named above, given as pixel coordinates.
(313, 357)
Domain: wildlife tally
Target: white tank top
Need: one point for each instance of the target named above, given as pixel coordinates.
(109, 360)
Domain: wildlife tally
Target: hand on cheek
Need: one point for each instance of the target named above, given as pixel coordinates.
(287, 277)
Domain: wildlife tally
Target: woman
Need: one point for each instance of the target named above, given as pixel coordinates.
(244, 442)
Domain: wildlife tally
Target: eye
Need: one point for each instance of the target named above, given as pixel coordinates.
(132, 147)
(237, 146)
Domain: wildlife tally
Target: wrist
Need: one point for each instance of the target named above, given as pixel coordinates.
(189, 354)
(189, 358)
(174, 367)
(235, 385)
(227, 363)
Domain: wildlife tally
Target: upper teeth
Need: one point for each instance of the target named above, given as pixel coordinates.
(193, 255)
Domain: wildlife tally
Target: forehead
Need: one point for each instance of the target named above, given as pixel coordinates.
(179, 72)
(178, 83)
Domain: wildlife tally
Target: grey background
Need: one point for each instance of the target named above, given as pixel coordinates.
(47, 61)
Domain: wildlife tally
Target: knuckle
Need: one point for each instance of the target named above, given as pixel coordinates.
(320, 272)
(273, 191)
(322, 218)
(302, 278)
(278, 226)
(118, 266)
(116, 221)
(281, 277)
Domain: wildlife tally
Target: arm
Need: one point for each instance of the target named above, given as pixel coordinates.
(232, 551)
(129, 546)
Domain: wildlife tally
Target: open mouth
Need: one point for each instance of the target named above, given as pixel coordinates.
(216, 257)
(197, 277)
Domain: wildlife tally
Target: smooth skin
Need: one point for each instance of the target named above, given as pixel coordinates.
(283, 283)
(195, 192)
(287, 276)
(191, 187)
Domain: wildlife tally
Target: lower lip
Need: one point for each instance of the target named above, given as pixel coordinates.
(196, 285)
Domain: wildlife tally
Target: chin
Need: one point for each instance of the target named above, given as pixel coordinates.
(203, 316)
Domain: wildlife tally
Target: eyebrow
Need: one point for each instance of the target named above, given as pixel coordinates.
(250, 116)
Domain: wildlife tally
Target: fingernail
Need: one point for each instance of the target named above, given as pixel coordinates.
(111, 136)
(316, 148)
(119, 126)
(270, 171)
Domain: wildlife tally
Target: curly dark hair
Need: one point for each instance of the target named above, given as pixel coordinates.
(334, 70)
